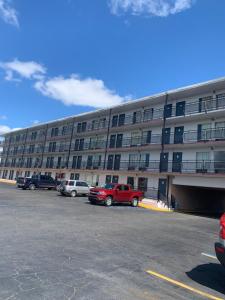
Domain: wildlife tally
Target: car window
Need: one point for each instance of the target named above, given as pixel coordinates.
(84, 183)
(123, 187)
(78, 183)
(109, 186)
(71, 183)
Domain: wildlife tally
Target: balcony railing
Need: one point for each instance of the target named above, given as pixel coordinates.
(189, 108)
(201, 167)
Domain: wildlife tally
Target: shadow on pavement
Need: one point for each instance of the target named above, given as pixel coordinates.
(210, 275)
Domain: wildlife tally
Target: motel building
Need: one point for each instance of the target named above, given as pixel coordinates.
(170, 145)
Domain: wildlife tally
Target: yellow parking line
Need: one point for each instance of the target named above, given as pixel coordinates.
(180, 284)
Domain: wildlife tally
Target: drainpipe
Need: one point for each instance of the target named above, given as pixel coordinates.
(42, 155)
(163, 148)
(107, 139)
(71, 139)
(164, 123)
(25, 142)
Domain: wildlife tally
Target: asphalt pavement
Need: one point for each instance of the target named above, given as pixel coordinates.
(55, 247)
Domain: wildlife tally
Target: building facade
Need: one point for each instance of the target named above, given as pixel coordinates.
(158, 144)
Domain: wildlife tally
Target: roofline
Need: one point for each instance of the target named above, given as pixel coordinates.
(154, 96)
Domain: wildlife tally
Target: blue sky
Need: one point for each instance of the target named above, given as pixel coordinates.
(64, 57)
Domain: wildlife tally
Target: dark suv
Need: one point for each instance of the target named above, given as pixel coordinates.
(36, 181)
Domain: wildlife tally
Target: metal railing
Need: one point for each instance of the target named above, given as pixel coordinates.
(203, 167)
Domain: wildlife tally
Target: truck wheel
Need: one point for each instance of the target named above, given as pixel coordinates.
(32, 187)
(108, 201)
(73, 194)
(134, 202)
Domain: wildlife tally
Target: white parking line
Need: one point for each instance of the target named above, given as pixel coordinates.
(209, 255)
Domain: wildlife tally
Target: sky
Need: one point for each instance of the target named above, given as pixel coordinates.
(64, 57)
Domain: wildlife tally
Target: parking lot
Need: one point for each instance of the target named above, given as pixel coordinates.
(55, 247)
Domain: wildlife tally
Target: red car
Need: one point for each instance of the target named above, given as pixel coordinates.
(111, 193)
(220, 247)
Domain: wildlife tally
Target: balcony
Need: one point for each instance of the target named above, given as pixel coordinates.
(185, 167)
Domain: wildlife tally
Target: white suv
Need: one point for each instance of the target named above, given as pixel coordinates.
(74, 187)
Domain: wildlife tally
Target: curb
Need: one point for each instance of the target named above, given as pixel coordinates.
(151, 207)
(8, 181)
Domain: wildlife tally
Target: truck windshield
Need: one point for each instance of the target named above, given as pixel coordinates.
(108, 186)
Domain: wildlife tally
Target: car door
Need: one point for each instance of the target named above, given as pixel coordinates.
(85, 187)
(123, 193)
(42, 181)
(79, 187)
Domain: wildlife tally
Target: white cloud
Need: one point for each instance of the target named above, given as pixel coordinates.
(8, 13)
(5, 129)
(160, 8)
(76, 91)
(72, 90)
(26, 69)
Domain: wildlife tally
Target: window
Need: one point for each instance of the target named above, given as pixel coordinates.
(220, 130)
(202, 161)
(54, 131)
(102, 123)
(205, 104)
(79, 144)
(147, 136)
(143, 184)
(135, 138)
(83, 126)
(136, 117)
(220, 101)
(59, 162)
(115, 179)
(34, 135)
(204, 132)
(76, 147)
(148, 114)
(121, 120)
(50, 162)
(119, 140)
(64, 130)
(108, 178)
(89, 161)
(130, 181)
(79, 127)
(79, 161)
(112, 141)
(52, 147)
(31, 148)
(110, 162)
(72, 176)
(74, 163)
(133, 160)
(29, 162)
(71, 183)
(123, 187)
(114, 121)
(219, 161)
(94, 125)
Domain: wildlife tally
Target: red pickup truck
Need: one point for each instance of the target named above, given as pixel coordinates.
(111, 193)
(220, 247)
